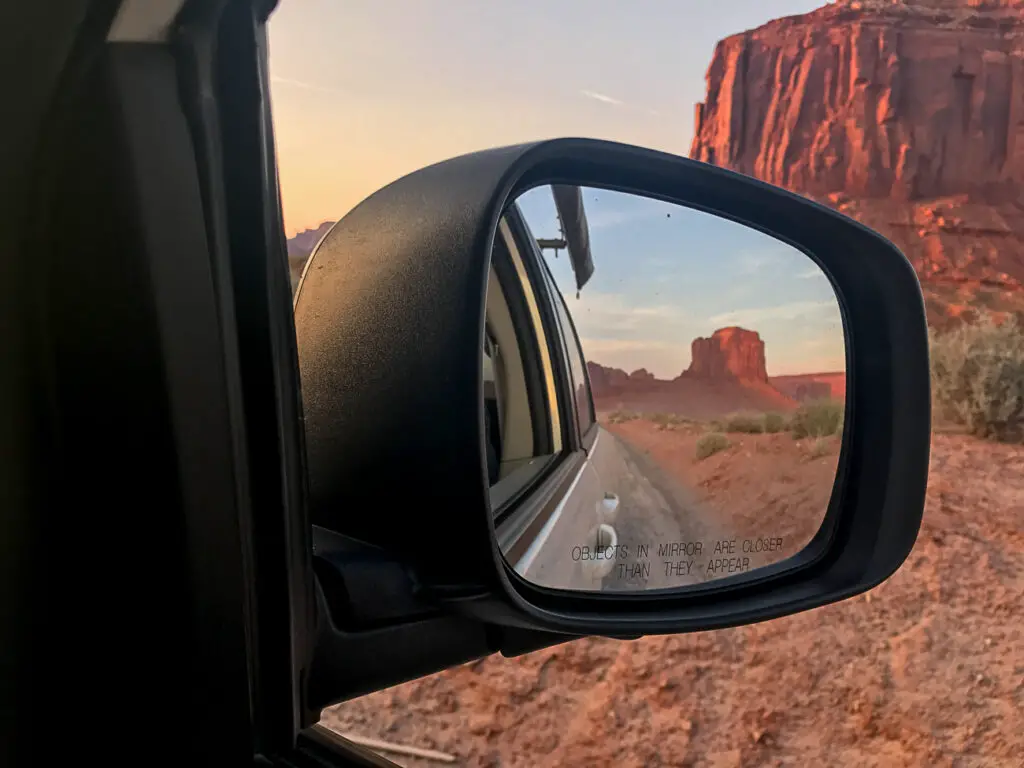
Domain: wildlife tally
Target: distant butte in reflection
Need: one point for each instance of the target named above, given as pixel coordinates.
(728, 373)
(729, 353)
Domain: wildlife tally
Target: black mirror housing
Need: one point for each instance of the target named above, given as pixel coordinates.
(390, 317)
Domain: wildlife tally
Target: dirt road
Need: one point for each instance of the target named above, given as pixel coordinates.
(762, 485)
(673, 539)
(667, 537)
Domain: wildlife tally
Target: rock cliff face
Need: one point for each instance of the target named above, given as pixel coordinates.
(871, 100)
(727, 374)
(909, 116)
(729, 353)
(303, 243)
(605, 380)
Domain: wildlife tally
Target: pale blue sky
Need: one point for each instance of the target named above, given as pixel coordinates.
(365, 91)
(664, 274)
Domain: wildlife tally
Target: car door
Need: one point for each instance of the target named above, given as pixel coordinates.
(577, 546)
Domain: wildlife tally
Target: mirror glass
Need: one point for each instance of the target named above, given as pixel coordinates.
(664, 393)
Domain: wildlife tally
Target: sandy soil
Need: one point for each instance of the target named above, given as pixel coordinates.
(695, 398)
(925, 670)
(761, 486)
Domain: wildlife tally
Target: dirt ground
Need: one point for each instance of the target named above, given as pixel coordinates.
(760, 486)
(925, 670)
(696, 398)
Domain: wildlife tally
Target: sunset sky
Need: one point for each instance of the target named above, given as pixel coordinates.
(664, 274)
(366, 91)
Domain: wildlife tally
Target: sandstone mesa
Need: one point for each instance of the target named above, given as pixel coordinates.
(906, 116)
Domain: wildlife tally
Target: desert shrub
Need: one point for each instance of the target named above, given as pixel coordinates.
(751, 423)
(619, 417)
(978, 378)
(710, 444)
(746, 423)
(667, 420)
(818, 418)
(820, 447)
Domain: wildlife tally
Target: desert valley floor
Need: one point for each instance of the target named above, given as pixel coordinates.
(927, 669)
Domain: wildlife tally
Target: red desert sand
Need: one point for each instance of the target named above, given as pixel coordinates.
(927, 669)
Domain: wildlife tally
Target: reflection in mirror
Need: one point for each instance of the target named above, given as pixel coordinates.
(702, 364)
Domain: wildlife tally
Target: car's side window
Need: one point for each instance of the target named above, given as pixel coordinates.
(577, 365)
(521, 414)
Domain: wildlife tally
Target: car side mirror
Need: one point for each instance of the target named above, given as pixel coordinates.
(423, 393)
(696, 392)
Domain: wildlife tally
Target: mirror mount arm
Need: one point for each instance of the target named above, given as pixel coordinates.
(552, 244)
(365, 587)
(372, 609)
(349, 663)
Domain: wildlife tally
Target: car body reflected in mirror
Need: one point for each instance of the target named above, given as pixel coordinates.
(698, 379)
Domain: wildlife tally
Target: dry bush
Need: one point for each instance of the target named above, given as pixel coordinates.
(746, 423)
(978, 378)
(620, 417)
(821, 446)
(710, 444)
(667, 420)
(818, 418)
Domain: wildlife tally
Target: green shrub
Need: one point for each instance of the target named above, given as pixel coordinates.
(774, 422)
(818, 418)
(746, 423)
(978, 378)
(710, 444)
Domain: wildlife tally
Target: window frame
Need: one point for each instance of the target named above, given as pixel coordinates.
(525, 513)
(536, 270)
(541, 365)
(570, 337)
(530, 510)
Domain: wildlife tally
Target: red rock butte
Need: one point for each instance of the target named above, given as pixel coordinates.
(871, 99)
(729, 353)
(906, 115)
(727, 374)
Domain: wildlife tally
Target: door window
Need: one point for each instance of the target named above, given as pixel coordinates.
(577, 364)
(521, 418)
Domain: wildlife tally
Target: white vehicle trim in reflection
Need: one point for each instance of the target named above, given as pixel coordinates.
(597, 568)
(608, 507)
(538, 543)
